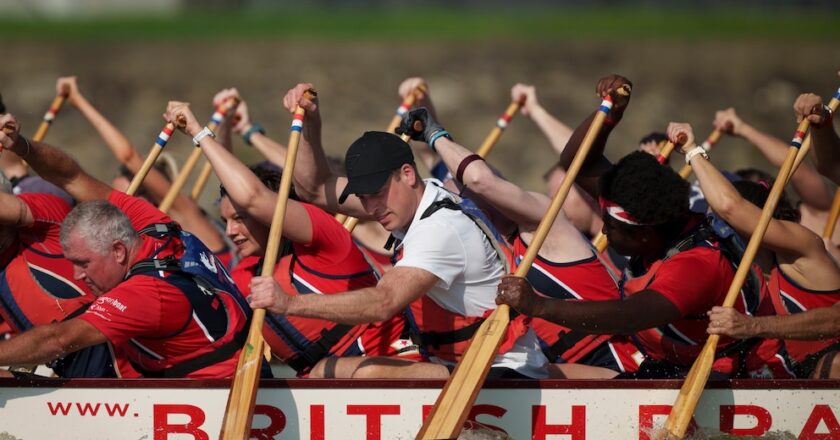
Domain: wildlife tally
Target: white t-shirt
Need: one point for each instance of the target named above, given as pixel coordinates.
(449, 245)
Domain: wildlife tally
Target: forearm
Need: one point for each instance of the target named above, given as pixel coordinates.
(14, 212)
(806, 181)
(827, 151)
(312, 170)
(595, 163)
(721, 195)
(274, 152)
(49, 162)
(772, 148)
(119, 145)
(39, 345)
(814, 324)
(361, 306)
(593, 317)
(243, 187)
(557, 132)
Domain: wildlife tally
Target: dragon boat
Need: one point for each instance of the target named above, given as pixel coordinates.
(394, 409)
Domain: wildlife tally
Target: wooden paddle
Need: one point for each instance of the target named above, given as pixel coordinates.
(600, 241)
(692, 388)
(49, 116)
(160, 143)
(405, 106)
(707, 145)
(457, 397)
(496, 132)
(243, 392)
(195, 155)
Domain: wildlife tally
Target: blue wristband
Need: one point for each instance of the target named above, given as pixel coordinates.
(255, 128)
(436, 136)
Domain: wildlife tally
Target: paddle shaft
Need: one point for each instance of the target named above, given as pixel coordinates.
(405, 106)
(458, 395)
(497, 131)
(195, 155)
(691, 390)
(243, 393)
(160, 143)
(49, 116)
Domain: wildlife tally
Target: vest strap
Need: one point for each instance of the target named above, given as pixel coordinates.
(319, 349)
(182, 369)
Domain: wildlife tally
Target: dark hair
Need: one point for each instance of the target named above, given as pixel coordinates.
(757, 193)
(650, 192)
(654, 137)
(2, 106)
(269, 175)
(753, 174)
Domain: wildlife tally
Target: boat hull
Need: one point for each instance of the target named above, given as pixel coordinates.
(393, 409)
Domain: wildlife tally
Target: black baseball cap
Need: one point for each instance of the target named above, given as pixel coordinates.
(371, 159)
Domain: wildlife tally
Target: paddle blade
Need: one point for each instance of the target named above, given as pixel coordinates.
(689, 395)
(242, 397)
(457, 397)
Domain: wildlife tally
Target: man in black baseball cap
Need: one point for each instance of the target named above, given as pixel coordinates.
(371, 159)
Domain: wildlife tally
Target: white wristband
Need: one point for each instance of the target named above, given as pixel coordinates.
(694, 152)
(202, 134)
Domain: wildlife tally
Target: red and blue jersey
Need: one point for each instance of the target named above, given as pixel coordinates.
(330, 263)
(583, 280)
(790, 298)
(37, 285)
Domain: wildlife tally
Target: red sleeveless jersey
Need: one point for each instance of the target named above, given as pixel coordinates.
(789, 298)
(586, 280)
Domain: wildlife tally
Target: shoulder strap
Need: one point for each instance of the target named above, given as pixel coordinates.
(186, 367)
(319, 349)
(485, 229)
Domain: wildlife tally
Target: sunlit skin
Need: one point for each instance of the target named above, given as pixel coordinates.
(395, 204)
(249, 235)
(100, 272)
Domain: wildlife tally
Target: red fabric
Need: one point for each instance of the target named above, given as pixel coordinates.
(695, 280)
(323, 266)
(790, 298)
(39, 282)
(578, 280)
(148, 309)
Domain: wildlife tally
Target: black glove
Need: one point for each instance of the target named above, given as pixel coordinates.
(425, 130)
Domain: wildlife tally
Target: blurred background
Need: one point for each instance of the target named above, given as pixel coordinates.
(687, 59)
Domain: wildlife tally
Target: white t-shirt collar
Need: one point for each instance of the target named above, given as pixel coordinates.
(434, 191)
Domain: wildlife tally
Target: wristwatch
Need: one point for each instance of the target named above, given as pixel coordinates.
(202, 134)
